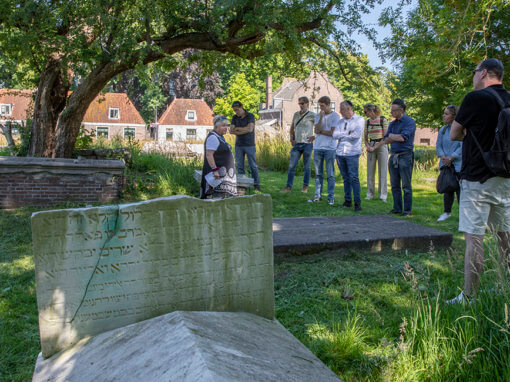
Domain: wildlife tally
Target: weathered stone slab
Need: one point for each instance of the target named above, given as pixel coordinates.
(312, 234)
(188, 346)
(102, 268)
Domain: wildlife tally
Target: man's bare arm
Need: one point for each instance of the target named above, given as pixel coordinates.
(457, 132)
(242, 130)
(292, 133)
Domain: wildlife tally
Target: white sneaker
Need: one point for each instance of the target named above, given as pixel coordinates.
(444, 216)
(460, 299)
(331, 202)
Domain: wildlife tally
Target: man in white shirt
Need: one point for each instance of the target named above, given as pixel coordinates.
(324, 149)
(349, 134)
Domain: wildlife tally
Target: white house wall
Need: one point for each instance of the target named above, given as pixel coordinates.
(116, 129)
(180, 132)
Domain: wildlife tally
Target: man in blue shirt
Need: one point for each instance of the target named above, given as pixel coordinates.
(400, 135)
(243, 127)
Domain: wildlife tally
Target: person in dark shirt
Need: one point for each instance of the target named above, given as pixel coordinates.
(243, 127)
(484, 197)
(400, 135)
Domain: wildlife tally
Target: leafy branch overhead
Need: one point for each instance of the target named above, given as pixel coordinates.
(86, 43)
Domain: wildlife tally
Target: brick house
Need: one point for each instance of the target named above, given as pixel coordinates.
(281, 105)
(15, 105)
(185, 120)
(425, 136)
(113, 114)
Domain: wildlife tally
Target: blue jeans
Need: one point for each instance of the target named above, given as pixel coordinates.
(319, 156)
(401, 171)
(250, 153)
(349, 166)
(297, 150)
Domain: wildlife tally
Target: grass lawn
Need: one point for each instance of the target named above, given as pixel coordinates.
(367, 316)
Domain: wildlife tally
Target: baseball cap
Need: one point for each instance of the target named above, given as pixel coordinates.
(237, 104)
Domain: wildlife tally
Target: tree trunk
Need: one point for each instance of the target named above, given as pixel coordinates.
(7, 130)
(49, 102)
(69, 121)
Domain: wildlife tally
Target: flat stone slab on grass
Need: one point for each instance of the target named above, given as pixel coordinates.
(312, 234)
(188, 346)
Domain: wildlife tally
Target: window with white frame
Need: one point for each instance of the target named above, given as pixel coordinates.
(114, 113)
(316, 108)
(169, 134)
(191, 133)
(5, 109)
(129, 132)
(332, 106)
(191, 115)
(102, 132)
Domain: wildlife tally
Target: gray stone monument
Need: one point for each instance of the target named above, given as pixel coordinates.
(188, 347)
(103, 268)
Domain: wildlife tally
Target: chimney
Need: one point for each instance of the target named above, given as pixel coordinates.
(269, 92)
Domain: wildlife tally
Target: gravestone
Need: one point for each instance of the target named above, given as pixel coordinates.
(188, 346)
(102, 268)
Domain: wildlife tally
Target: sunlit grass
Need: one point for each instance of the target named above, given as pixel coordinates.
(369, 317)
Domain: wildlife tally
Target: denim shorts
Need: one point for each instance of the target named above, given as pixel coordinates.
(484, 205)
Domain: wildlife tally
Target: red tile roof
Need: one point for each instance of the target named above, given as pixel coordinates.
(21, 101)
(98, 111)
(175, 114)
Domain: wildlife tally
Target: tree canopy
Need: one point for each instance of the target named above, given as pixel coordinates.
(82, 45)
(438, 44)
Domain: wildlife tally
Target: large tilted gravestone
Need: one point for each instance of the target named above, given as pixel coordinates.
(103, 268)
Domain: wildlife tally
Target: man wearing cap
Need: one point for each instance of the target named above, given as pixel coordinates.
(243, 127)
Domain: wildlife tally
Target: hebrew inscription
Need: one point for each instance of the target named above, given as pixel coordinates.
(106, 267)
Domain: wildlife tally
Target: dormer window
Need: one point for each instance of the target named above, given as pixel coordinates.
(5, 109)
(191, 115)
(114, 113)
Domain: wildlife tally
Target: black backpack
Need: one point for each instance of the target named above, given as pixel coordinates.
(497, 158)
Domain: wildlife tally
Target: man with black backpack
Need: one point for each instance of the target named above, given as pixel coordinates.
(485, 179)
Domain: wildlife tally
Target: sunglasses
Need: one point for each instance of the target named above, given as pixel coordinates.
(477, 70)
(301, 103)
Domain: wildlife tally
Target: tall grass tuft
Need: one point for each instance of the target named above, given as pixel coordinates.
(155, 175)
(343, 347)
(457, 342)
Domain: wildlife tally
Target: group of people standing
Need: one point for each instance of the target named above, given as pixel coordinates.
(332, 137)
(468, 134)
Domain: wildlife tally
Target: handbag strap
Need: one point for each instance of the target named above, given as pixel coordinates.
(300, 119)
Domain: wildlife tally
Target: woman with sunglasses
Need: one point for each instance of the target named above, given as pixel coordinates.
(375, 129)
(218, 173)
(450, 154)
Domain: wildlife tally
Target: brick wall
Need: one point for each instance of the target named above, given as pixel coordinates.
(46, 182)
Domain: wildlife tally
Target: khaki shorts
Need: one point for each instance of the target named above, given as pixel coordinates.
(484, 205)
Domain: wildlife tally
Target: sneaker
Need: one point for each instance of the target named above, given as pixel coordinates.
(369, 198)
(257, 188)
(305, 190)
(383, 200)
(444, 216)
(331, 202)
(406, 214)
(315, 199)
(460, 299)
(394, 212)
(286, 190)
(357, 207)
(347, 203)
